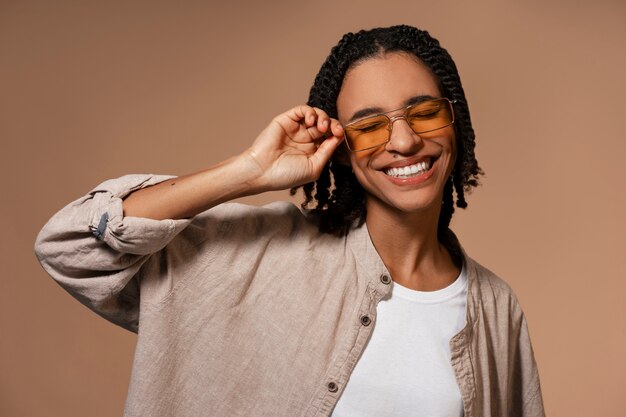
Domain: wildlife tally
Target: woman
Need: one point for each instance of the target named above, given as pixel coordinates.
(364, 305)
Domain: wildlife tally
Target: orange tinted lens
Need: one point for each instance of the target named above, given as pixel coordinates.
(430, 115)
(367, 133)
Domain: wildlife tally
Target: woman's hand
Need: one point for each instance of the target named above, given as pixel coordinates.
(293, 148)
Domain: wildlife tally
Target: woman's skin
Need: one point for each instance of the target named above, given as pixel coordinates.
(402, 215)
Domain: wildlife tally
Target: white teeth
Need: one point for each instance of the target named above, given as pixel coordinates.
(409, 171)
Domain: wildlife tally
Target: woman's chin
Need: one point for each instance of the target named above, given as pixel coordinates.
(404, 204)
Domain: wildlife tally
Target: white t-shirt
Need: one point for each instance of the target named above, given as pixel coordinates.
(405, 368)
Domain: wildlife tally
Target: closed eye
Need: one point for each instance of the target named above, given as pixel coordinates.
(425, 113)
(369, 127)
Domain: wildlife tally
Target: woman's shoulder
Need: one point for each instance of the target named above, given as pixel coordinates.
(494, 297)
(490, 287)
(487, 278)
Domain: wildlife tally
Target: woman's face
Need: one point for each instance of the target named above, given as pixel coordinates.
(393, 81)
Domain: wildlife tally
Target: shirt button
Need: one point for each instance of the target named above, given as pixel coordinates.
(384, 278)
(332, 387)
(365, 320)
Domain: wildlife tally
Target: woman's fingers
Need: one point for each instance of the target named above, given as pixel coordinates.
(302, 113)
(324, 152)
(315, 121)
(332, 138)
(337, 129)
(323, 120)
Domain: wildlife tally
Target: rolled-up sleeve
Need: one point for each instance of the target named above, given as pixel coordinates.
(94, 252)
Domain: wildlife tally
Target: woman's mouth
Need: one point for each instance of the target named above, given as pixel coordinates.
(409, 171)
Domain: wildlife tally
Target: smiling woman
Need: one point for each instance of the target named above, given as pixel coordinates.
(364, 304)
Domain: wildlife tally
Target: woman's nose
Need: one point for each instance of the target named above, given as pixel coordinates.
(402, 139)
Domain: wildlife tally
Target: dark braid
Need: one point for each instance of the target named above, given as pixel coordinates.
(337, 208)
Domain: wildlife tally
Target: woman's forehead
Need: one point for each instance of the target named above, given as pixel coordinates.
(386, 81)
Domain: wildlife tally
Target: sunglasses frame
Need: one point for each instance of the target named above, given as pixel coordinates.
(404, 115)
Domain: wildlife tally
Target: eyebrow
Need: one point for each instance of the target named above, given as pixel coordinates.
(368, 111)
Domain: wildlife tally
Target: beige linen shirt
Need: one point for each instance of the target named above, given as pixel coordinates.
(250, 311)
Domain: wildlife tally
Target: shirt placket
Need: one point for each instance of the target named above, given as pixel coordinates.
(337, 377)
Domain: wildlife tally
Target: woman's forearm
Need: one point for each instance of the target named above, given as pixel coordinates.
(188, 195)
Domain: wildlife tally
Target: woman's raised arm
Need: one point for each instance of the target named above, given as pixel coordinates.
(96, 246)
(290, 151)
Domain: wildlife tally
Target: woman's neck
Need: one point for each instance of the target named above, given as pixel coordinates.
(408, 245)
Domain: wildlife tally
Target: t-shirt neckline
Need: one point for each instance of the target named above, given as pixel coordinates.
(437, 296)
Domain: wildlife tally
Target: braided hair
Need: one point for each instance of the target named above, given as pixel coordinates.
(338, 198)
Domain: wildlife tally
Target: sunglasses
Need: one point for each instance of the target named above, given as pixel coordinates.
(422, 117)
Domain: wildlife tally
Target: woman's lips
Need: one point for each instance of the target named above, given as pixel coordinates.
(409, 170)
(411, 174)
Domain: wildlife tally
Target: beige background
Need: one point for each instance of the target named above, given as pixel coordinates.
(95, 90)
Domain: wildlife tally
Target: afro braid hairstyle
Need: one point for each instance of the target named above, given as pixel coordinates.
(339, 200)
